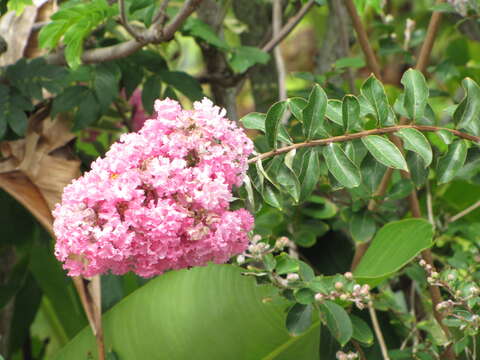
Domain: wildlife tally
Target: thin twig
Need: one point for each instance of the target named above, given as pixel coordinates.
(288, 27)
(359, 135)
(161, 16)
(430, 205)
(362, 35)
(462, 213)
(124, 20)
(124, 49)
(378, 331)
(277, 52)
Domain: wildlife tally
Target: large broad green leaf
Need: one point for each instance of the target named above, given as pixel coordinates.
(374, 93)
(393, 246)
(314, 112)
(416, 93)
(467, 114)
(415, 141)
(449, 164)
(204, 313)
(341, 167)
(385, 152)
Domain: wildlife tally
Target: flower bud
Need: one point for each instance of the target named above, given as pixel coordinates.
(319, 297)
(422, 263)
(282, 242)
(293, 277)
(344, 297)
(240, 259)
(450, 277)
(256, 238)
(338, 285)
(348, 275)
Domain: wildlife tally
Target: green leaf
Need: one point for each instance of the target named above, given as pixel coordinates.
(184, 83)
(18, 121)
(106, 84)
(244, 57)
(415, 141)
(272, 197)
(272, 122)
(374, 93)
(452, 161)
(289, 182)
(314, 112)
(417, 168)
(195, 309)
(286, 264)
(269, 262)
(416, 93)
(350, 62)
(446, 136)
(150, 92)
(334, 111)
(385, 152)
(362, 226)
(296, 106)
(351, 113)
(299, 319)
(305, 296)
(306, 272)
(361, 331)
(256, 121)
(88, 111)
(467, 114)
(341, 167)
(198, 29)
(68, 99)
(394, 245)
(309, 177)
(337, 321)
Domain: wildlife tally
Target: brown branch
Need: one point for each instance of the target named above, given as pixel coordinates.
(124, 21)
(370, 57)
(288, 27)
(161, 16)
(153, 35)
(359, 135)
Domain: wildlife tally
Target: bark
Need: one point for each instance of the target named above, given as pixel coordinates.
(213, 13)
(7, 261)
(257, 15)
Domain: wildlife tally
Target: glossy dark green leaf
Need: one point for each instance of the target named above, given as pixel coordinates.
(385, 152)
(467, 114)
(418, 170)
(415, 141)
(306, 272)
(450, 163)
(341, 167)
(314, 112)
(68, 99)
(286, 264)
(289, 182)
(310, 175)
(106, 84)
(334, 111)
(393, 246)
(151, 92)
(446, 136)
(416, 93)
(272, 122)
(374, 93)
(362, 226)
(296, 106)
(400, 190)
(88, 111)
(361, 331)
(356, 151)
(256, 121)
(299, 319)
(351, 113)
(177, 316)
(183, 82)
(337, 321)
(272, 197)
(305, 296)
(320, 208)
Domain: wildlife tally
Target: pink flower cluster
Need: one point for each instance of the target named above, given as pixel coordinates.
(160, 198)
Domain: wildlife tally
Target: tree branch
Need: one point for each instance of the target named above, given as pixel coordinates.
(370, 57)
(359, 135)
(288, 27)
(462, 213)
(123, 19)
(153, 35)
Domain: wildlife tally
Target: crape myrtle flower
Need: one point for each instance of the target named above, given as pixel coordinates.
(160, 197)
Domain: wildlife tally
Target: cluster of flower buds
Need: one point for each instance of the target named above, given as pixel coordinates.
(347, 291)
(257, 248)
(346, 356)
(461, 310)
